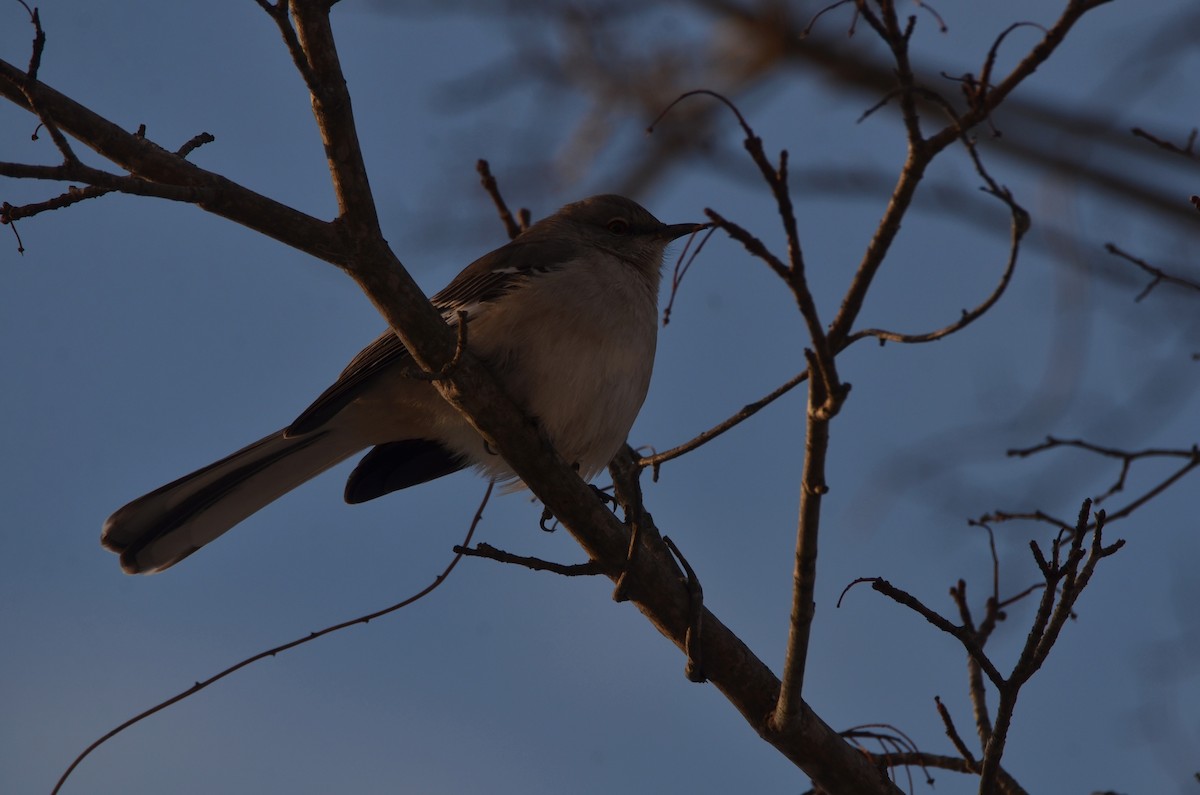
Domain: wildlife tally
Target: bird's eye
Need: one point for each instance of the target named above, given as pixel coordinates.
(618, 226)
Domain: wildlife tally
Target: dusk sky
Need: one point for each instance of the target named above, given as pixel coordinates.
(142, 339)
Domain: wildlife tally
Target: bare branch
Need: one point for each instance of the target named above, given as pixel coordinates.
(1008, 785)
(280, 13)
(194, 143)
(682, 265)
(162, 173)
(78, 172)
(353, 242)
(39, 41)
(1018, 228)
(921, 151)
(1065, 582)
(751, 243)
(317, 59)
(976, 91)
(962, 634)
(952, 733)
(892, 741)
(1127, 458)
(1187, 150)
(813, 487)
(976, 689)
(272, 652)
(493, 190)
(749, 410)
(1065, 579)
(1159, 275)
(591, 568)
(1053, 37)
(792, 274)
(661, 596)
(887, 26)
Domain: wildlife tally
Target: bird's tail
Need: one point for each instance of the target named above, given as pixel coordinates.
(165, 526)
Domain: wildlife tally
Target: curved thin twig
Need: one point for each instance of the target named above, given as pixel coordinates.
(1019, 226)
(749, 410)
(196, 688)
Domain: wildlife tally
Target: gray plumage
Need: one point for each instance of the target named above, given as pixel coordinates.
(565, 315)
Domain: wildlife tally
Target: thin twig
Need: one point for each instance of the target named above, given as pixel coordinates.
(751, 243)
(1160, 275)
(952, 733)
(1032, 516)
(906, 599)
(922, 150)
(1187, 150)
(1008, 785)
(99, 183)
(1066, 578)
(683, 264)
(279, 12)
(116, 183)
(749, 410)
(1037, 55)
(793, 274)
(438, 580)
(591, 568)
(194, 143)
(493, 190)
(1019, 226)
(39, 41)
(1127, 458)
(985, 75)
(808, 29)
(976, 689)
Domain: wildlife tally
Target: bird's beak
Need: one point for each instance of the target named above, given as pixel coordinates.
(676, 231)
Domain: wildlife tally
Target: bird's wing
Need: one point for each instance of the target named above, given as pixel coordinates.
(385, 352)
(482, 282)
(498, 273)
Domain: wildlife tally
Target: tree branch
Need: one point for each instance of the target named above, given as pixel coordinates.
(656, 460)
(1160, 276)
(1019, 226)
(353, 243)
(152, 163)
(277, 650)
(804, 574)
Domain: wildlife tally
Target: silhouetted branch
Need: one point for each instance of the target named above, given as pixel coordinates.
(1065, 579)
(493, 190)
(591, 568)
(1018, 228)
(96, 179)
(656, 460)
(262, 655)
(955, 739)
(1191, 459)
(1187, 150)
(1159, 275)
(683, 264)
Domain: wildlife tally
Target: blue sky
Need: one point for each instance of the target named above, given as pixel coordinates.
(141, 339)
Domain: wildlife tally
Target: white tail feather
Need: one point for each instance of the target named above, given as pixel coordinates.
(165, 526)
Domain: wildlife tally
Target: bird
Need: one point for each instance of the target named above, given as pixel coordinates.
(565, 315)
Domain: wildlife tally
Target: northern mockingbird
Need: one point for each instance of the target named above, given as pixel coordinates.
(566, 317)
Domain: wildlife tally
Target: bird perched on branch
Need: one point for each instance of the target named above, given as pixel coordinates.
(565, 315)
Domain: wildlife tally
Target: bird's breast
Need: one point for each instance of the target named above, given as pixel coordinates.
(577, 351)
